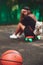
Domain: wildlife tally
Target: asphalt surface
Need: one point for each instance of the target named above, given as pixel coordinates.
(32, 53)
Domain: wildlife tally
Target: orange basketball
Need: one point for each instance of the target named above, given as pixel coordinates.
(11, 57)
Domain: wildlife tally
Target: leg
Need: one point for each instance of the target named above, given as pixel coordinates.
(19, 29)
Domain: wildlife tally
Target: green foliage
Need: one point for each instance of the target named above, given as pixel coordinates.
(10, 10)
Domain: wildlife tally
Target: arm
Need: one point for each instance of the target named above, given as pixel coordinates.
(33, 17)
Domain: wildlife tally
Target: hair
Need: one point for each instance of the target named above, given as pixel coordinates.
(26, 8)
(21, 17)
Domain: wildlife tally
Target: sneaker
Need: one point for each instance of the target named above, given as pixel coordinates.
(13, 36)
(18, 36)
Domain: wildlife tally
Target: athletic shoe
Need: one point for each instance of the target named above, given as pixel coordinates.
(18, 36)
(13, 36)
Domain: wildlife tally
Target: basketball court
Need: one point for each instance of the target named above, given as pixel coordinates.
(32, 53)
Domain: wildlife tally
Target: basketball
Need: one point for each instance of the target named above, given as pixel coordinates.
(11, 57)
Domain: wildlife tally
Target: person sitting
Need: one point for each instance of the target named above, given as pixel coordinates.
(27, 24)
